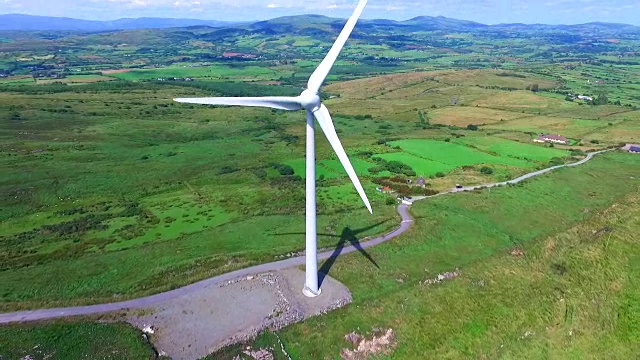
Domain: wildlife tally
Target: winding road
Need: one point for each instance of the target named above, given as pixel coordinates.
(144, 302)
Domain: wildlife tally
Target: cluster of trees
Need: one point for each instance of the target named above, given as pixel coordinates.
(284, 170)
(486, 170)
(602, 99)
(423, 120)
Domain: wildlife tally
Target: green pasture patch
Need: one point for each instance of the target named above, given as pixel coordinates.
(454, 155)
(331, 169)
(361, 166)
(513, 149)
(299, 167)
(212, 71)
(73, 340)
(422, 166)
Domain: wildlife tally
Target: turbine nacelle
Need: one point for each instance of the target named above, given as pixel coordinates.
(309, 100)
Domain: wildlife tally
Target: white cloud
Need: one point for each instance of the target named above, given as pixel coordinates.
(187, 4)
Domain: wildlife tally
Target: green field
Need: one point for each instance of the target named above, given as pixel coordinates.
(428, 157)
(68, 340)
(502, 147)
(422, 166)
(203, 72)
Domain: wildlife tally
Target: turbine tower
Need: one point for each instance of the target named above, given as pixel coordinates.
(308, 100)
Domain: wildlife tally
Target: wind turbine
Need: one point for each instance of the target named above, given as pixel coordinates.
(308, 100)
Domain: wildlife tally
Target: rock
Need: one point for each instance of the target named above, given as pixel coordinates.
(148, 329)
(353, 337)
(366, 348)
(517, 252)
(262, 354)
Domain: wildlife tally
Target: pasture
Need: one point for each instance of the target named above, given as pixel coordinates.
(68, 340)
(217, 71)
(102, 178)
(514, 149)
(428, 157)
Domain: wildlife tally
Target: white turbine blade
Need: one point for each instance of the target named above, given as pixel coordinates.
(324, 118)
(274, 102)
(320, 74)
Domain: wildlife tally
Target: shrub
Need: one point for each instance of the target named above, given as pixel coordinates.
(486, 170)
(390, 201)
(284, 170)
(472, 127)
(227, 170)
(440, 174)
(260, 173)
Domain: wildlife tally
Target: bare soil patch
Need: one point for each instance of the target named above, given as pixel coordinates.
(195, 325)
(381, 343)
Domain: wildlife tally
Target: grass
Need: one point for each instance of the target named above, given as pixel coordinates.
(575, 128)
(185, 185)
(513, 149)
(73, 340)
(570, 295)
(463, 116)
(422, 166)
(203, 72)
(454, 155)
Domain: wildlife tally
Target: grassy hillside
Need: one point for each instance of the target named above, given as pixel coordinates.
(567, 292)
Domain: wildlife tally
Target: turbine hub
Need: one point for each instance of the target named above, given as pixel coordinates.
(310, 100)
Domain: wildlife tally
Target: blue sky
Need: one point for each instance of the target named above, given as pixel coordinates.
(485, 11)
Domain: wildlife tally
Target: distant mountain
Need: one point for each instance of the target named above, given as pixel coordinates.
(441, 22)
(311, 25)
(43, 23)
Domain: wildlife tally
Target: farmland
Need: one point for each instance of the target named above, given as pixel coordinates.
(112, 191)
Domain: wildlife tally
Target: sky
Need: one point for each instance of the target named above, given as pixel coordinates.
(484, 11)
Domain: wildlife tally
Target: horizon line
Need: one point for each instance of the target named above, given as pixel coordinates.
(312, 14)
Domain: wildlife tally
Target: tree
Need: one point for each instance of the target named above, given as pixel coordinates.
(486, 170)
(535, 87)
(602, 99)
(423, 119)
